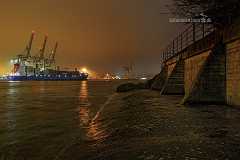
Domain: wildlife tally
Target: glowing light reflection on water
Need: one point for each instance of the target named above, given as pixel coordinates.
(49, 114)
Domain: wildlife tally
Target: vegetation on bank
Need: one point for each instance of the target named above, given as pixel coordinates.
(221, 12)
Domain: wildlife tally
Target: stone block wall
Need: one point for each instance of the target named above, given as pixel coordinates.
(233, 72)
(193, 65)
(210, 83)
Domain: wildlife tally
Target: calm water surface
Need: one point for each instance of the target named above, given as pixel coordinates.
(39, 119)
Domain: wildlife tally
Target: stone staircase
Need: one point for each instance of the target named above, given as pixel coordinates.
(174, 83)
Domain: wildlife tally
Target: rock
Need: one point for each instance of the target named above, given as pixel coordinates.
(150, 82)
(158, 81)
(142, 85)
(131, 86)
(126, 87)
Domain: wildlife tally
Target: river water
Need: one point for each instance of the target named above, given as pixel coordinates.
(89, 121)
(39, 119)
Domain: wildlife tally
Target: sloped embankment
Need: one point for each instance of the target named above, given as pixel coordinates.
(144, 125)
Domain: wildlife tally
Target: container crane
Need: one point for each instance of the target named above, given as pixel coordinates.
(40, 66)
(42, 50)
(29, 46)
(129, 70)
(27, 52)
(39, 60)
(53, 54)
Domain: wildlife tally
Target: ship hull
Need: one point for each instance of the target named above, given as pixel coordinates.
(47, 78)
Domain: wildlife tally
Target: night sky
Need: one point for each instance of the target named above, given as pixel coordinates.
(102, 35)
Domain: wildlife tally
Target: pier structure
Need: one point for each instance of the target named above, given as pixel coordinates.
(203, 64)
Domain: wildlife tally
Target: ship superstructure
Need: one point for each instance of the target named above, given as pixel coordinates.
(41, 66)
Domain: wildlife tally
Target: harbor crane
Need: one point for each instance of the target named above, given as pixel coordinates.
(29, 46)
(42, 50)
(27, 52)
(128, 70)
(29, 63)
(50, 61)
(53, 54)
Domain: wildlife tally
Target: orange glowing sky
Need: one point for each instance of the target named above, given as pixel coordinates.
(100, 34)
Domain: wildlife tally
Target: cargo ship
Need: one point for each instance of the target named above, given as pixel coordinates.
(41, 66)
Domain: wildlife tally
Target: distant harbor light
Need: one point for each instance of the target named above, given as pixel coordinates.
(84, 70)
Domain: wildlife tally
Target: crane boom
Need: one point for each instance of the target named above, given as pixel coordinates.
(42, 50)
(54, 52)
(29, 47)
(55, 48)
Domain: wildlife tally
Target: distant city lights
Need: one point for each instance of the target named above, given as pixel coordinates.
(117, 77)
(12, 61)
(109, 76)
(84, 70)
(14, 74)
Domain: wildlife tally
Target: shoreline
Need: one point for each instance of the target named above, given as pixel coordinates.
(143, 124)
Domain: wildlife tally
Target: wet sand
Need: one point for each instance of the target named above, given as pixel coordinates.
(146, 126)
